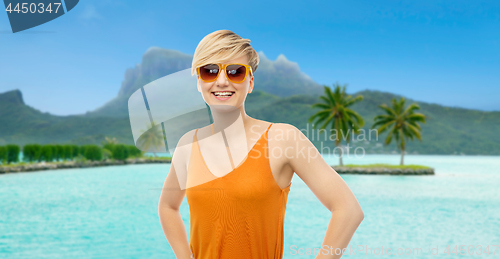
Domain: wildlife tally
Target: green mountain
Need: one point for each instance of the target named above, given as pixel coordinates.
(22, 124)
(449, 130)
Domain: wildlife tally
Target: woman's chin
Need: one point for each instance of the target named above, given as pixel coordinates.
(222, 107)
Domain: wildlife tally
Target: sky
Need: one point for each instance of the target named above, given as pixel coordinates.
(444, 52)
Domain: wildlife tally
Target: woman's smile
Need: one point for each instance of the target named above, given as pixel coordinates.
(223, 95)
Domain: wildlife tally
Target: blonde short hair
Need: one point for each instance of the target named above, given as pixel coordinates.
(221, 46)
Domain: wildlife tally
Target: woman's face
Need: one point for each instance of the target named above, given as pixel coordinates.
(222, 84)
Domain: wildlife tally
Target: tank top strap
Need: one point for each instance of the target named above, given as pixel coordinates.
(266, 134)
(195, 139)
(196, 131)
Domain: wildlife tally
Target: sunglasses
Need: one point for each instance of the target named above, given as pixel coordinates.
(235, 73)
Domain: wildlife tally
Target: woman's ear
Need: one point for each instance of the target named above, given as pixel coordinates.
(250, 89)
(198, 84)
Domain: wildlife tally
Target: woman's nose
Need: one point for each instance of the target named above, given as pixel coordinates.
(222, 78)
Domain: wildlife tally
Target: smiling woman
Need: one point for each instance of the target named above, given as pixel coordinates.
(236, 189)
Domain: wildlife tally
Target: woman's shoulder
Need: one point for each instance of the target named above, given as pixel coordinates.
(274, 125)
(284, 133)
(284, 127)
(185, 142)
(187, 138)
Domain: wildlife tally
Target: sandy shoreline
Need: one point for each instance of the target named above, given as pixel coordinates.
(382, 170)
(72, 164)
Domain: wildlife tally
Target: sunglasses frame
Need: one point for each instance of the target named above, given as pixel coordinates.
(222, 67)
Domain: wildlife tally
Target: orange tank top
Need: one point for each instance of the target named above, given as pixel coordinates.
(239, 215)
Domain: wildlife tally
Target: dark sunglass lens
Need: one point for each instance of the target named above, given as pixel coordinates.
(236, 73)
(209, 72)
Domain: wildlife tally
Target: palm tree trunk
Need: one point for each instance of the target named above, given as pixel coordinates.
(402, 156)
(341, 154)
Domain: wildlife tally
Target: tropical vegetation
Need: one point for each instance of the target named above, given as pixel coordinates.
(336, 113)
(35, 153)
(401, 122)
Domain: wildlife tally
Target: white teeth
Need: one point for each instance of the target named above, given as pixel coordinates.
(223, 93)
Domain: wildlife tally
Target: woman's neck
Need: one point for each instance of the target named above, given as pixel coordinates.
(225, 118)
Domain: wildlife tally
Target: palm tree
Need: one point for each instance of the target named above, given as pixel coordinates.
(335, 110)
(109, 141)
(402, 122)
(153, 137)
(108, 145)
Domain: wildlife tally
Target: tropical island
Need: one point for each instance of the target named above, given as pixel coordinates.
(384, 169)
(400, 121)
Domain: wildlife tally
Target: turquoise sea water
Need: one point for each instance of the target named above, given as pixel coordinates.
(111, 212)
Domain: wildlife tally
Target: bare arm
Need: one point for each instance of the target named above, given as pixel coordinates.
(170, 217)
(330, 189)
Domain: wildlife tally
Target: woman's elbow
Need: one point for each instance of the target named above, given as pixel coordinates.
(356, 213)
(162, 207)
(165, 206)
(361, 215)
(352, 212)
